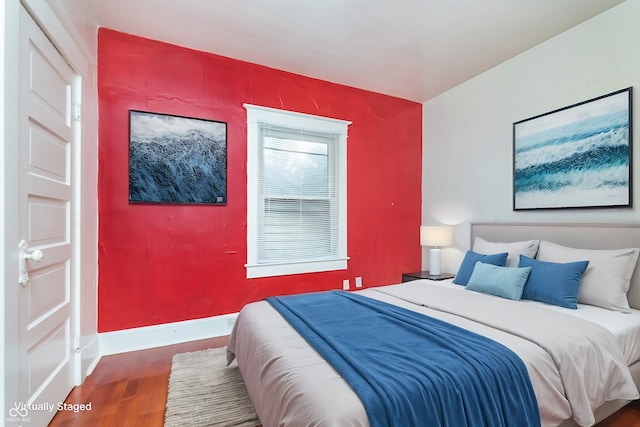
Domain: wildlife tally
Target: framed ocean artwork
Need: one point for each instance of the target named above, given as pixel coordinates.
(175, 159)
(575, 157)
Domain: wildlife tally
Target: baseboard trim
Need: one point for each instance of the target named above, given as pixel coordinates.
(165, 334)
(89, 357)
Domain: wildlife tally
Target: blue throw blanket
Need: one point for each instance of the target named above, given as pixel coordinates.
(409, 369)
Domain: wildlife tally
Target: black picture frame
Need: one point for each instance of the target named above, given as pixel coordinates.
(578, 156)
(176, 159)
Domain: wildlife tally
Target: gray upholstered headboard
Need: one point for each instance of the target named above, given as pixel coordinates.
(585, 236)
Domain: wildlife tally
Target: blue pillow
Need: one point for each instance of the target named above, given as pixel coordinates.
(552, 282)
(469, 262)
(505, 282)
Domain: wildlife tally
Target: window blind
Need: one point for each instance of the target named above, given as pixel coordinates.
(298, 201)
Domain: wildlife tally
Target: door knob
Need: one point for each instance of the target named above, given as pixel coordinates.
(24, 255)
(34, 255)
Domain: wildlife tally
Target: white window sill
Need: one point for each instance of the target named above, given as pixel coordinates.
(283, 269)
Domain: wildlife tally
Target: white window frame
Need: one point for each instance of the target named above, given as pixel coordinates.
(257, 115)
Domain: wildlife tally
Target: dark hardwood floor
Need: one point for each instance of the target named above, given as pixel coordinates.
(629, 416)
(130, 389)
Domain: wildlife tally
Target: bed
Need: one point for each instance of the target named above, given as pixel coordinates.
(291, 384)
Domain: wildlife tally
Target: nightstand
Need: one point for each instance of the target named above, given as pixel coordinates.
(407, 277)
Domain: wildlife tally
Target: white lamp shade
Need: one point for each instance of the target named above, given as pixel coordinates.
(436, 235)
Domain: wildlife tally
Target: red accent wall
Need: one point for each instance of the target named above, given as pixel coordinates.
(168, 263)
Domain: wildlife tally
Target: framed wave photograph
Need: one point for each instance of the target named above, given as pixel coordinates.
(575, 157)
(175, 159)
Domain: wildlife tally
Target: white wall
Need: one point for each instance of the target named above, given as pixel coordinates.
(467, 131)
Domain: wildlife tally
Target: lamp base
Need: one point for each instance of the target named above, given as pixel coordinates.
(435, 255)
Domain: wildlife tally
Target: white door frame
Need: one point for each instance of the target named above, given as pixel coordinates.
(9, 215)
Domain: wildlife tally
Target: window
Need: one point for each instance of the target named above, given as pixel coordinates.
(296, 189)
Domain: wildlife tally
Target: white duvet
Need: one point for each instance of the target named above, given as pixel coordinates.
(574, 365)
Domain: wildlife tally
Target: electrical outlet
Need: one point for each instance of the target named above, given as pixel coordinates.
(358, 282)
(345, 284)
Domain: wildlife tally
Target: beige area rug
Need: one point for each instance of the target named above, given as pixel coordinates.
(203, 391)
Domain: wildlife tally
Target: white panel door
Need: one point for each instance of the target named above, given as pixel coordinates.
(45, 305)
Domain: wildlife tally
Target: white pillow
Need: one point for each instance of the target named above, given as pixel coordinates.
(606, 281)
(515, 249)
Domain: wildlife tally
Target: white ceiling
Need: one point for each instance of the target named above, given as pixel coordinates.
(412, 49)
